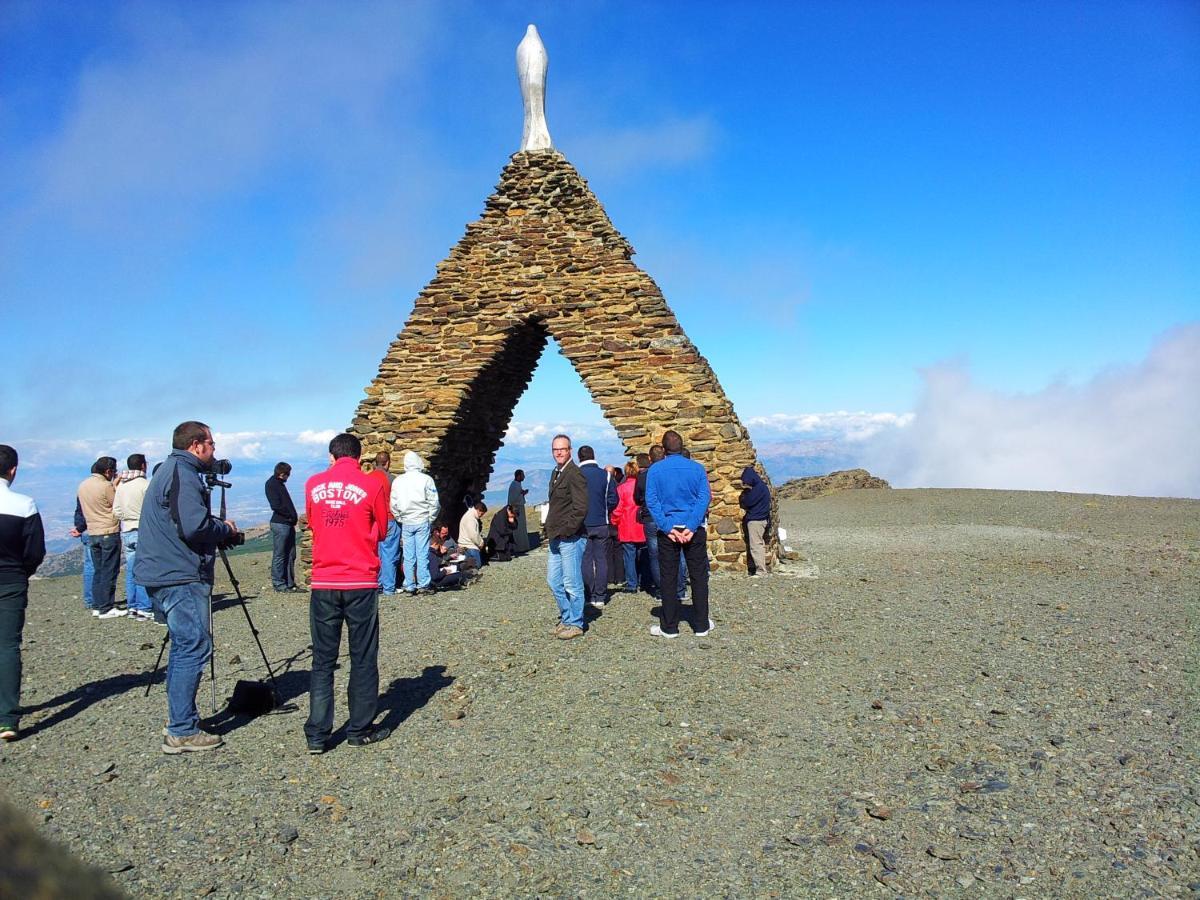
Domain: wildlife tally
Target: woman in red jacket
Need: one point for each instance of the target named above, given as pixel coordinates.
(629, 529)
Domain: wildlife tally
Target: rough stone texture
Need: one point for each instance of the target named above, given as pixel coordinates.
(545, 261)
(818, 485)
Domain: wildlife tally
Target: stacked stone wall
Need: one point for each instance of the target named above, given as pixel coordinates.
(545, 261)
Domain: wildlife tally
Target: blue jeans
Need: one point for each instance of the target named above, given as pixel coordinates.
(283, 556)
(327, 610)
(564, 574)
(473, 554)
(106, 558)
(416, 555)
(389, 555)
(186, 609)
(632, 558)
(135, 595)
(89, 570)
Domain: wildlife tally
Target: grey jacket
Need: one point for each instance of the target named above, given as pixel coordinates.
(177, 535)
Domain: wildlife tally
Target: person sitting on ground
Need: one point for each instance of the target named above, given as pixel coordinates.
(448, 543)
(502, 537)
(470, 533)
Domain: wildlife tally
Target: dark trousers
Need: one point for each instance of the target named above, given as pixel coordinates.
(283, 556)
(106, 559)
(13, 599)
(695, 554)
(651, 529)
(595, 563)
(359, 609)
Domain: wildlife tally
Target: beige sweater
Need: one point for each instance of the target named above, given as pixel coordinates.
(96, 500)
(470, 531)
(127, 503)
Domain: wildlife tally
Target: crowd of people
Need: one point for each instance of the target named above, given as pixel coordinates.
(641, 526)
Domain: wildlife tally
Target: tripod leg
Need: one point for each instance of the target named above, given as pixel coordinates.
(212, 656)
(158, 662)
(253, 631)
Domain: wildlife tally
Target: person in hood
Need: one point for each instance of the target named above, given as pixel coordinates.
(415, 505)
(756, 501)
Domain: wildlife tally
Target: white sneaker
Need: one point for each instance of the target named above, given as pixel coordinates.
(596, 604)
(95, 613)
(113, 613)
(711, 626)
(657, 631)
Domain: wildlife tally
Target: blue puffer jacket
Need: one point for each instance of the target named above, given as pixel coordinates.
(756, 498)
(602, 494)
(177, 535)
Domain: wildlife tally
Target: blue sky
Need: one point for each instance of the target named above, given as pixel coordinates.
(957, 221)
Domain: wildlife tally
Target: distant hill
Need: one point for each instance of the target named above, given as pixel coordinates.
(817, 485)
(70, 562)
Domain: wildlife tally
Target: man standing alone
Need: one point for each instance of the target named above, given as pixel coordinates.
(516, 499)
(95, 496)
(22, 548)
(283, 530)
(678, 495)
(566, 532)
(178, 538)
(415, 505)
(756, 501)
(347, 512)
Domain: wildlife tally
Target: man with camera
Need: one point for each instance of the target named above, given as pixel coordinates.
(177, 548)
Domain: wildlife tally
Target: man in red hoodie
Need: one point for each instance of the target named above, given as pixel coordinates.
(348, 514)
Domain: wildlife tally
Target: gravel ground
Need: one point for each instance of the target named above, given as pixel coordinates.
(961, 692)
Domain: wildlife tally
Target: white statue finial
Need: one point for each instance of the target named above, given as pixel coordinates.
(531, 73)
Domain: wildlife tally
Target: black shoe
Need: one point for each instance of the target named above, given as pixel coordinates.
(428, 589)
(374, 736)
(316, 749)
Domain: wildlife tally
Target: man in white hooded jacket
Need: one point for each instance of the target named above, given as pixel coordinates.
(414, 504)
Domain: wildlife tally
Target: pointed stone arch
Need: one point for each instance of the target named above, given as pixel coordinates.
(545, 261)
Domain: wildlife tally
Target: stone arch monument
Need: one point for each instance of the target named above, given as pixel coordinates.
(544, 261)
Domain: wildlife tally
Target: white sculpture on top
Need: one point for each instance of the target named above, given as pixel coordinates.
(531, 73)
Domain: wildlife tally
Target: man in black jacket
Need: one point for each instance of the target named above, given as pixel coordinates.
(283, 530)
(22, 548)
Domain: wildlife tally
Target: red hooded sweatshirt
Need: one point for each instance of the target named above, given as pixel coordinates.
(348, 514)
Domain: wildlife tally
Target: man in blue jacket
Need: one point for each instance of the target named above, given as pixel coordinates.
(756, 501)
(177, 548)
(677, 495)
(602, 500)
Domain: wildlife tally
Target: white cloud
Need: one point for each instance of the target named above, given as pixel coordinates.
(620, 151)
(531, 434)
(319, 438)
(196, 107)
(847, 426)
(1130, 430)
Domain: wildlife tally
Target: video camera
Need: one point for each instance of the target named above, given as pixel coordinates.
(212, 478)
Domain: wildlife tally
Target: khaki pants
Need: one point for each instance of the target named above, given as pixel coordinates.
(756, 542)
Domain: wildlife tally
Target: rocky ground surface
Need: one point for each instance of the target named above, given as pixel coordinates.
(986, 693)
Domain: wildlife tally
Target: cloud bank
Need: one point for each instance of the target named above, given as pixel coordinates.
(1131, 430)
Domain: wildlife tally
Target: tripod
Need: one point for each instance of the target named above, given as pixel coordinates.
(212, 659)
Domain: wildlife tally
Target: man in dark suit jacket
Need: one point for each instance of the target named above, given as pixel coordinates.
(566, 534)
